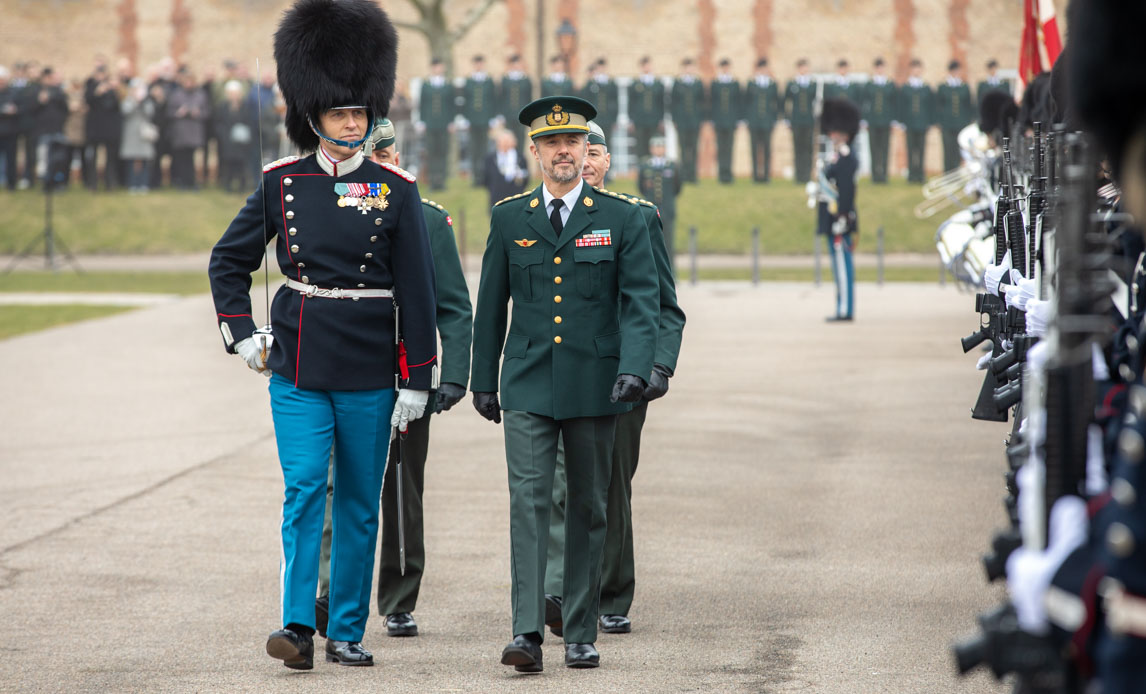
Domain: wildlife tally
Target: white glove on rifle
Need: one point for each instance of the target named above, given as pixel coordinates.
(991, 277)
(1020, 293)
(1038, 317)
(411, 405)
(251, 350)
(984, 361)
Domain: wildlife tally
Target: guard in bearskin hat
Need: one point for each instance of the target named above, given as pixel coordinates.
(351, 239)
(837, 196)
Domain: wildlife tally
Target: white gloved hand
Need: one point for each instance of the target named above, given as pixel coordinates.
(984, 361)
(991, 277)
(251, 350)
(1038, 317)
(1020, 293)
(410, 405)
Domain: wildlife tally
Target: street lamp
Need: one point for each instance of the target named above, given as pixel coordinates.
(566, 38)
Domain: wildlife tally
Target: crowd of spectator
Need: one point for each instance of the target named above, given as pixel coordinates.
(117, 128)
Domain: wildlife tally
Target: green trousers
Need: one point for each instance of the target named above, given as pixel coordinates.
(724, 139)
(951, 156)
(618, 571)
(879, 138)
(688, 139)
(396, 593)
(531, 460)
(437, 157)
(644, 133)
(803, 146)
(761, 154)
(916, 144)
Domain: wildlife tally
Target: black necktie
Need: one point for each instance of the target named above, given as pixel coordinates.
(555, 217)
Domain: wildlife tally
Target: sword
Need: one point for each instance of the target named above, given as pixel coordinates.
(399, 436)
(268, 338)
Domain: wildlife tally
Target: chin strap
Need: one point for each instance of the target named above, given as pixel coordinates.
(344, 143)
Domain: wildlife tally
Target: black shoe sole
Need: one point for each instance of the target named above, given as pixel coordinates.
(582, 664)
(286, 651)
(521, 660)
(349, 663)
(618, 630)
(402, 631)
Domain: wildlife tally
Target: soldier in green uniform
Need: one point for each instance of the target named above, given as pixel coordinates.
(601, 91)
(436, 110)
(726, 110)
(646, 105)
(557, 83)
(761, 109)
(578, 265)
(842, 85)
(687, 104)
(659, 182)
(992, 82)
(514, 92)
(799, 110)
(480, 108)
(954, 110)
(618, 573)
(398, 594)
(916, 109)
(879, 104)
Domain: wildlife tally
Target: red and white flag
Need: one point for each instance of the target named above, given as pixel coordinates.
(1041, 44)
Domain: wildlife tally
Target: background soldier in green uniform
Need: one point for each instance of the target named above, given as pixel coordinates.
(687, 105)
(879, 104)
(557, 83)
(842, 85)
(992, 83)
(799, 109)
(954, 110)
(436, 111)
(761, 109)
(646, 105)
(659, 182)
(618, 572)
(398, 594)
(726, 110)
(479, 109)
(916, 111)
(601, 91)
(578, 266)
(516, 90)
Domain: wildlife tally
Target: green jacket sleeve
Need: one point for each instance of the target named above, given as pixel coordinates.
(492, 310)
(454, 312)
(670, 325)
(640, 297)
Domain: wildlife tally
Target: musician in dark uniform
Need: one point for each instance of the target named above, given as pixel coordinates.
(878, 106)
(799, 109)
(725, 108)
(761, 109)
(953, 111)
(398, 592)
(514, 92)
(436, 110)
(837, 211)
(351, 239)
(646, 105)
(916, 110)
(687, 107)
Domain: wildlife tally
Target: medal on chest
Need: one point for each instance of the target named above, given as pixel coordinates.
(363, 196)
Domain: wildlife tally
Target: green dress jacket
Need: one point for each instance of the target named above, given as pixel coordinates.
(916, 107)
(762, 104)
(454, 311)
(799, 103)
(879, 103)
(687, 103)
(585, 305)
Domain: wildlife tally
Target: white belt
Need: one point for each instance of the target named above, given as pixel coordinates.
(337, 293)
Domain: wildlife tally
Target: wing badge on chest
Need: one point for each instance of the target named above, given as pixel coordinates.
(525, 243)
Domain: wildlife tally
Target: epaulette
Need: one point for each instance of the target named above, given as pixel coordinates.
(280, 163)
(513, 197)
(615, 195)
(642, 201)
(401, 172)
(431, 203)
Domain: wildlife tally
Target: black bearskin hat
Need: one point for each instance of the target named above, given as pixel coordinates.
(333, 53)
(840, 115)
(1107, 71)
(991, 110)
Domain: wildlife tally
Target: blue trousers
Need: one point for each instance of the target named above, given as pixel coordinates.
(307, 424)
(844, 273)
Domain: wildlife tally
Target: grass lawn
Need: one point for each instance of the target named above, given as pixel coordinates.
(16, 320)
(796, 274)
(182, 283)
(724, 215)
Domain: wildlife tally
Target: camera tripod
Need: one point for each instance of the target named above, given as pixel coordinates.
(48, 236)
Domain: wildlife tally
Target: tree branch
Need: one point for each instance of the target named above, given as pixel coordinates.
(473, 18)
(410, 25)
(420, 5)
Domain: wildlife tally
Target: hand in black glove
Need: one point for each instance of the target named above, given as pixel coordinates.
(488, 406)
(658, 382)
(449, 394)
(628, 388)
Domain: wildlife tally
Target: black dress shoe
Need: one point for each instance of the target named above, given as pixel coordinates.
(347, 653)
(294, 649)
(401, 624)
(615, 624)
(837, 319)
(321, 614)
(553, 615)
(581, 655)
(523, 653)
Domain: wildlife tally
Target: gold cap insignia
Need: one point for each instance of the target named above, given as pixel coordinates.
(588, 201)
(557, 117)
(534, 202)
(526, 243)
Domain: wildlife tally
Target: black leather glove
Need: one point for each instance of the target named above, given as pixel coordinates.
(488, 406)
(449, 394)
(628, 388)
(658, 382)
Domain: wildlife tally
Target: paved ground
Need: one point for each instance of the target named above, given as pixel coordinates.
(810, 508)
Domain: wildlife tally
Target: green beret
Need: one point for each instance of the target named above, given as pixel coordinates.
(553, 115)
(596, 134)
(382, 136)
